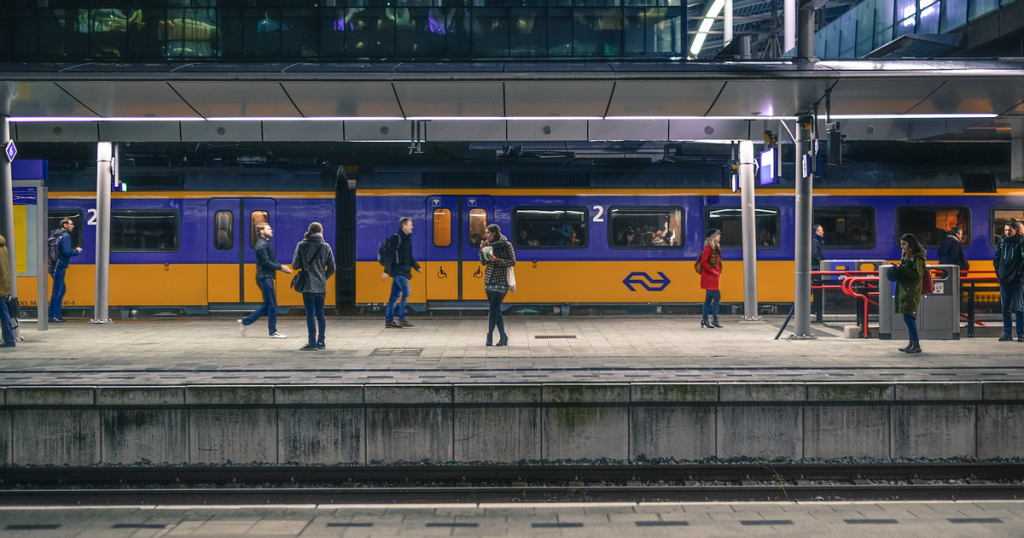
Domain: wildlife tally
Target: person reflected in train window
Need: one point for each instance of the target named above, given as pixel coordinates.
(266, 274)
(60, 257)
(910, 276)
(316, 259)
(498, 255)
(710, 274)
(555, 237)
(1008, 262)
(398, 264)
(525, 239)
(951, 249)
(6, 286)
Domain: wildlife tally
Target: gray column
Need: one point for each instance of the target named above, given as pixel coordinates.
(42, 257)
(789, 25)
(104, 158)
(7, 201)
(802, 259)
(1016, 149)
(727, 26)
(805, 27)
(746, 173)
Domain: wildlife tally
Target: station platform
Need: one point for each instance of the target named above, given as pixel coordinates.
(437, 350)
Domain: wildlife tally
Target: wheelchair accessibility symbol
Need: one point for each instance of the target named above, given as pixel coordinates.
(645, 280)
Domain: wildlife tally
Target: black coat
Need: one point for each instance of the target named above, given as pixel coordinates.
(951, 252)
(403, 263)
(1009, 259)
(817, 251)
(266, 259)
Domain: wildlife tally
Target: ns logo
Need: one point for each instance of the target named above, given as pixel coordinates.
(649, 283)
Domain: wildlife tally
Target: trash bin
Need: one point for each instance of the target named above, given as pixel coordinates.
(938, 316)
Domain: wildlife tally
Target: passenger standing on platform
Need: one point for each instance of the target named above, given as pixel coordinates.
(266, 274)
(498, 255)
(817, 256)
(951, 249)
(1009, 265)
(398, 264)
(710, 273)
(5, 292)
(64, 253)
(908, 287)
(316, 259)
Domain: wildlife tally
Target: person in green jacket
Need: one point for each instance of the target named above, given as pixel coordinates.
(910, 274)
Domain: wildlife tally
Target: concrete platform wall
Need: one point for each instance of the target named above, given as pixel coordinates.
(309, 425)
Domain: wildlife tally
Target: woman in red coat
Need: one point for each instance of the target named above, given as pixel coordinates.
(710, 272)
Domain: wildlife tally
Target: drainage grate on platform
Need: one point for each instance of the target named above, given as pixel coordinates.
(555, 336)
(396, 352)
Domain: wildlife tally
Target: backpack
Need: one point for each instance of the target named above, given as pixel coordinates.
(927, 286)
(53, 249)
(382, 249)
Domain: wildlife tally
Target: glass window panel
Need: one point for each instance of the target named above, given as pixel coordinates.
(847, 227)
(884, 10)
(999, 217)
(442, 227)
(728, 220)
(929, 16)
(477, 225)
(645, 227)
(848, 35)
(865, 28)
(190, 33)
(597, 32)
(560, 29)
(369, 33)
(954, 14)
(53, 218)
(298, 33)
(155, 231)
(529, 32)
(490, 32)
(224, 230)
(255, 219)
(931, 224)
(550, 227)
(981, 7)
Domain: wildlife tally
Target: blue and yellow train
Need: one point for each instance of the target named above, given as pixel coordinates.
(579, 238)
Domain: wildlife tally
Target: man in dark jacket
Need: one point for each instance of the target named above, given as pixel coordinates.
(398, 264)
(5, 292)
(1009, 265)
(817, 247)
(58, 270)
(266, 274)
(951, 249)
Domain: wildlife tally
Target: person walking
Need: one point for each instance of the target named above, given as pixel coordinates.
(61, 239)
(910, 276)
(316, 260)
(951, 249)
(1008, 262)
(266, 274)
(710, 273)
(398, 264)
(497, 254)
(6, 286)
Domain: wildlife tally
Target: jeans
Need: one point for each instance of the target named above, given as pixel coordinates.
(59, 289)
(1008, 298)
(494, 317)
(269, 307)
(911, 322)
(711, 299)
(5, 321)
(314, 303)
(399, 286)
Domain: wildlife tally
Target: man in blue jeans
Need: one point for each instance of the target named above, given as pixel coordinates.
(59, 268)
(6, 285)
(398, 264)
(266, 273)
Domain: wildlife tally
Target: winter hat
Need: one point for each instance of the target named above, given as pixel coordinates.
(712, 232)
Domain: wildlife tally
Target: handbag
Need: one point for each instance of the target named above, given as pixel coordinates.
(893, 273)
(511, 279)
(300, 278)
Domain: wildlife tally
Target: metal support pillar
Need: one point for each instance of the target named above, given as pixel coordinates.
(42, 260)
(746, 173)
(104, 162)
(1017, 149)
(727, 23)
(7, 203)
(805, 24)
(802, 261)
(788, 25)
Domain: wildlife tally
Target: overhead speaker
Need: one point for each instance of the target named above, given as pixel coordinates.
(978, 182)
(835, 147)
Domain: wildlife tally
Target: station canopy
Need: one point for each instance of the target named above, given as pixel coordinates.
(873, 100)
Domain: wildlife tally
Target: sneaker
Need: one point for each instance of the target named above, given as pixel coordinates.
(1020, 337)
(404, 323)
(278, 335)
(392, 325)
(53, 320)
(1006, 338)
(321, 345)
(241, 326)
(7, 344)
(308, 347)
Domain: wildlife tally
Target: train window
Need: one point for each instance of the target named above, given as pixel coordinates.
(999, 217)
(224, 230)
(931, 224)
(477, 225)
(54, 217)
(729, 221)
(255, 219)
(847, 227)
(550, 227)
(645, 227)
(442, 227)
(143, 231)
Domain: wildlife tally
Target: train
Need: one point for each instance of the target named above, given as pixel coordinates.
(598, 236)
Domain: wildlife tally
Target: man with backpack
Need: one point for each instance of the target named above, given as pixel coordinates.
(60, 252)
(395, 254)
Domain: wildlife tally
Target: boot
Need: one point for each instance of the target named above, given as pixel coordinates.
(489, 340)
(910, 345)
(916, 348)
(714, 322)
(704, 323)
(503, 341)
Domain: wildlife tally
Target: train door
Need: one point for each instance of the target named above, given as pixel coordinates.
(456, 226)
(477, 213)
(231, 269)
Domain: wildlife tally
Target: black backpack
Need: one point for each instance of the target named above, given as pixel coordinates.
(53, 248)
(382, 249)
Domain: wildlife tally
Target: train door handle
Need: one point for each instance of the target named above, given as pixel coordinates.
(441, 273)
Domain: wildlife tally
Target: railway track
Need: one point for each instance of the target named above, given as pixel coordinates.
(469, 484)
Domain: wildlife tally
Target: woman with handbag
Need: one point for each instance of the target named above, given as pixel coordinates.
(710, 264)
(316, 260)
(909, 277)
(498, 255)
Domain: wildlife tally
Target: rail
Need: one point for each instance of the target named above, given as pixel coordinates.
(848, 279)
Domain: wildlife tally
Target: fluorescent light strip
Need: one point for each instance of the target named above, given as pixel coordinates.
(911, 116)
(705, 26)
